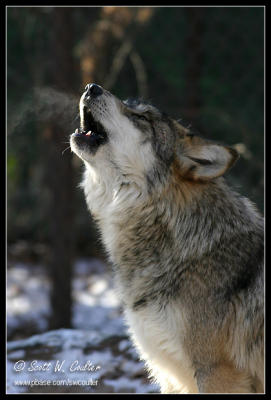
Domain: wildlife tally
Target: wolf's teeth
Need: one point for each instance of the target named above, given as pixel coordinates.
(88, 133)
(76, 130)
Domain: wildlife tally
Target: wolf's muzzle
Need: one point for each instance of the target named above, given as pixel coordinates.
(91, 133)
(93, 90)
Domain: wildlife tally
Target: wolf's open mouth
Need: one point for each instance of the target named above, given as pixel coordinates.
(91, 128)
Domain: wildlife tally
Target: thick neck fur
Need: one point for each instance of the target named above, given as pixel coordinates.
(182, 224)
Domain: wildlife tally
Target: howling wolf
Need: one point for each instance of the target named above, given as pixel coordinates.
(187, 251)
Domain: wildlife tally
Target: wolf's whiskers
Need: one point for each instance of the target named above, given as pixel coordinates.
(66, 149)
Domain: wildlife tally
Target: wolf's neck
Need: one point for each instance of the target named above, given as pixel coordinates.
(153, 224)
(109, 193)
(129, 217)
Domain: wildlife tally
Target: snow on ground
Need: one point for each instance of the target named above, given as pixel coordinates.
(97, 354)
(69, 360)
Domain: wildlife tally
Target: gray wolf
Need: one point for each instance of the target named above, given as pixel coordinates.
(187, 251)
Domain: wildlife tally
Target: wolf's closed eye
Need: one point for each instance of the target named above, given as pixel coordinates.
(141, 117)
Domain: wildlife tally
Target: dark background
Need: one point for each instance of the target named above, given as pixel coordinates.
(202, 64)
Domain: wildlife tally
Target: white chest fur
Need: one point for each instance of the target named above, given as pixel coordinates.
(158, 336)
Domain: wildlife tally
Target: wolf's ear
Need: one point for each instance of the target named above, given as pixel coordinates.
(205, 161)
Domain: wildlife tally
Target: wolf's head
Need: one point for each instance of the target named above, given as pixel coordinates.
(135, 141)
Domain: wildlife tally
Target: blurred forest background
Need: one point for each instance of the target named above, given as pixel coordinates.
(202, 64)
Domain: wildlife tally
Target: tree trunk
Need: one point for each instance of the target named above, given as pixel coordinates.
(60, 173)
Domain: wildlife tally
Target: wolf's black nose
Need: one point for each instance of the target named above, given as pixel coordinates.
(93, 90)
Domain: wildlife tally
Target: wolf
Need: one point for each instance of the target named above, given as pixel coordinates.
(187, 251)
